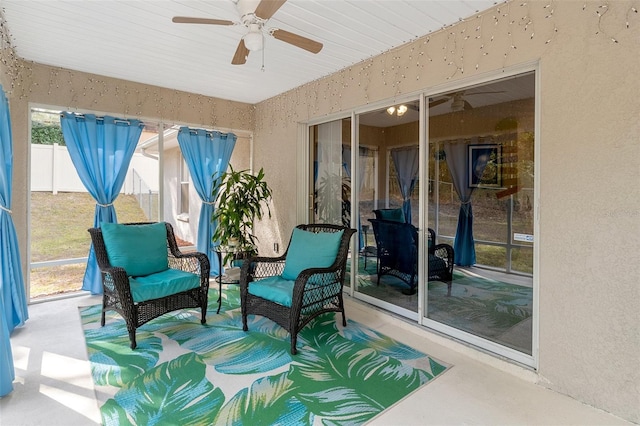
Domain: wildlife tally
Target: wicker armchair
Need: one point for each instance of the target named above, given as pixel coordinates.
(314, 291)
(117, 291)
(397, 249)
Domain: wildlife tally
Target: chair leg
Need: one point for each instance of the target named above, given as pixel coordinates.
(132, 337)
(203, 320)
(294, 339)
(243, 310)
(341, 306)
(448, 288)
(244, 320)
(104, 308)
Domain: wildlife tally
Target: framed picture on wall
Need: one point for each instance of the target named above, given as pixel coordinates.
(485, 166)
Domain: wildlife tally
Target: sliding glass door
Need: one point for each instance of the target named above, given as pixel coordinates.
(481, 203)
(456, 251)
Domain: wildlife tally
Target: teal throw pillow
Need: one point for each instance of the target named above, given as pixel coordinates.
(310, 250)
(395, 215)
(139, 249)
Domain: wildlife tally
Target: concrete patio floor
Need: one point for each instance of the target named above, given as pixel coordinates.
(53, 385)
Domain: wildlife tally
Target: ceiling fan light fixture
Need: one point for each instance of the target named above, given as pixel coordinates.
(254, 14)
(399, 110)
(457, 102)
(253, 41)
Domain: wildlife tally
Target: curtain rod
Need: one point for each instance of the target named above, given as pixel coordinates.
(115, 120)
(208, 132)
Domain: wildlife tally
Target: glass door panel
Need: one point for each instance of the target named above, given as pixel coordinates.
(331, 172)
(330, 180)
(480, 201)
(388, 185)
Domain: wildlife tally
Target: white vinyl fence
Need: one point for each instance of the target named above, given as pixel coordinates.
(53, 171)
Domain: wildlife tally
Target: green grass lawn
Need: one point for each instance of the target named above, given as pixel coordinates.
(59, 224)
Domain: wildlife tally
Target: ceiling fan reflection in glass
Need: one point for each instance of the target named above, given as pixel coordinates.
(399, 111)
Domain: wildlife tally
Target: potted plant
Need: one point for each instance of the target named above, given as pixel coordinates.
(332, 203)
(240, 200)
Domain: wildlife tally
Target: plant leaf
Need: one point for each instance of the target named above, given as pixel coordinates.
(112, 360)
(383, 344)
(173, 393)
(361, 379)
(230, 349)
(269, 401)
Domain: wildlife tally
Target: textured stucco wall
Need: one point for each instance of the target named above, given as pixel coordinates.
(590, 213)
(589, 140)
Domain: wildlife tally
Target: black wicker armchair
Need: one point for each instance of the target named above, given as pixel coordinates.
(119, 296)
(397, 250)
(292, 301)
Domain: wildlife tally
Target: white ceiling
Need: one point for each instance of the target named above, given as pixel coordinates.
(135, 39)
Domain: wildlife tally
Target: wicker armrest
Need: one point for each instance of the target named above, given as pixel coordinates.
(115, 271)
(319, 276)
(314, 288)
(115, 280)
(445, 252)
(261, 267)
(314, 278)
(265, 259)
(196, 262)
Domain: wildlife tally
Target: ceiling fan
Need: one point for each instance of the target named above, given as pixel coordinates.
(254, 15)
(458, 101)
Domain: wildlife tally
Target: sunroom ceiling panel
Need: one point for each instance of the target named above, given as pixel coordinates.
(136, 40)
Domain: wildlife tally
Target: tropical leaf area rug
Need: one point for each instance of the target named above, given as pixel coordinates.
(492, 309)
(186, 373)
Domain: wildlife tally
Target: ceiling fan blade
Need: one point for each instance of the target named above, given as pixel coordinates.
(438, 102)
(187, 20)
(240, 57)
(297, 40)
(484, 93)
(267, 8)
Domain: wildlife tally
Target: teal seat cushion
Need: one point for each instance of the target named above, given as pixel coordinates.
(395, 215)
(276, 289)
(310, 250)
(162, 284)
(139, 249)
